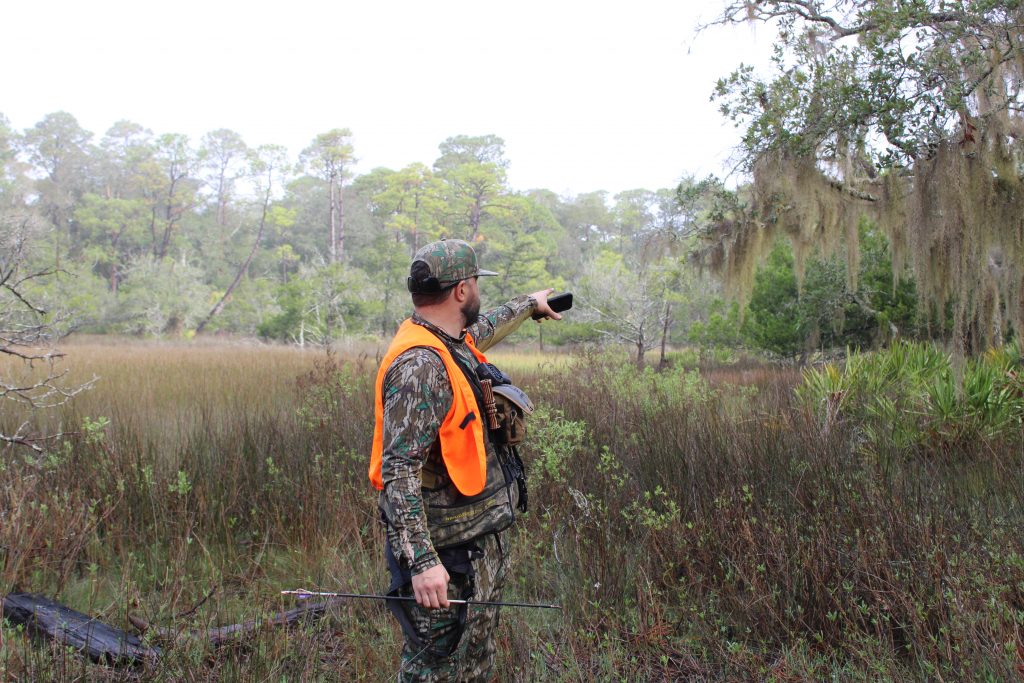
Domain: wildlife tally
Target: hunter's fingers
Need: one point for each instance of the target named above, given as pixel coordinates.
(419, 594)
(436, 596)
(431, 587)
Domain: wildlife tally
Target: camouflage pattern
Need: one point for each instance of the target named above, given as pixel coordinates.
(471, 657)
(491, 573)
(450, 260)
(441, 652)
(417, 396)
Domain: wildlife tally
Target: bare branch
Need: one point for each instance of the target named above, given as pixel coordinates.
(29, 376)
(767, 10)
(22, 441)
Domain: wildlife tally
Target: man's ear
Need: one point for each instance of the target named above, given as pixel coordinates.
(460, 292)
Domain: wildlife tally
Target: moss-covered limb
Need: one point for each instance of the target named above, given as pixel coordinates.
(924, 139)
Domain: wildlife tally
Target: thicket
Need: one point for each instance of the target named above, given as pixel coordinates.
(710, 524)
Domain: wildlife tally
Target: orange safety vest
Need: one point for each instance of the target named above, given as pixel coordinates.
(461, 433)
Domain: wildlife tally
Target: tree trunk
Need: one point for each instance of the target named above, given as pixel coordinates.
(341, 222)
(640, 347)
(222, 196)
(664, 333)
(474, 218)
(333, 249)
(152, 226)
(171, 218)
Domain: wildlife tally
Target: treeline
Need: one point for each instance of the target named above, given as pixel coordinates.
(153, 234)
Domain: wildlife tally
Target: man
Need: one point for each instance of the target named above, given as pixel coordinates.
(449, 486)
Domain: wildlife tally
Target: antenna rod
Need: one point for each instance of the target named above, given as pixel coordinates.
(304, 594)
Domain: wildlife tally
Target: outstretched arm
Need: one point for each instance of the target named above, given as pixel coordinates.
(496, 324)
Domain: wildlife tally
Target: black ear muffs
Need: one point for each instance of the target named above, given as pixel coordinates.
(420, 281)
(429, 286)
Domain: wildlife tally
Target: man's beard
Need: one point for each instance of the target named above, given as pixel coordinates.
(471, 310)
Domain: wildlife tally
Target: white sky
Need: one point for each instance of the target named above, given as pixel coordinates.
(587, 95)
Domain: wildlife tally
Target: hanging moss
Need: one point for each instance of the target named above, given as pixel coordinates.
(955, 217)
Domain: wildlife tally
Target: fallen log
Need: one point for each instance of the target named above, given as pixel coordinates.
(108, 645)
(221, 635)
(100, 642)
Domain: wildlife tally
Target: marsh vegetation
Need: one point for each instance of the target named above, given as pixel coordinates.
(737, 521)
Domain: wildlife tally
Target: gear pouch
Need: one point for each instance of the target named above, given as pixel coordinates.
(513, 407)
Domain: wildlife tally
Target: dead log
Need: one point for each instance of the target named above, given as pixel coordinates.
(100, 642)
(222, 635)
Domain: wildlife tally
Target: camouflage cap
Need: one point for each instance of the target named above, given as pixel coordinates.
(439, 265)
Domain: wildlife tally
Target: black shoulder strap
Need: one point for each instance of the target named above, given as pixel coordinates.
(474, 381)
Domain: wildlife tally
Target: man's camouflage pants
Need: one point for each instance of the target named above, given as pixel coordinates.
(471, 656)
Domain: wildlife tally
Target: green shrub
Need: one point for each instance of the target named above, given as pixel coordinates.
(912, 395)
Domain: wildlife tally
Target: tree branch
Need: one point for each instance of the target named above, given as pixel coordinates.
(766, 10)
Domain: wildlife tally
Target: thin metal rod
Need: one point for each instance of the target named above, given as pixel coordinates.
(303, 594)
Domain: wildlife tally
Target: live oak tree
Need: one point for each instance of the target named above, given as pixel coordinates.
(409, 202)
(460, 150)
(587, 223)
(904, 111)
(117, 218)
(8, 158)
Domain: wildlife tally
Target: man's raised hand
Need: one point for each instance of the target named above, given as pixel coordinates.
(541, 298)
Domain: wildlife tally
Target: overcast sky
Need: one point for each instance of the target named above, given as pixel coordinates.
(587, 95)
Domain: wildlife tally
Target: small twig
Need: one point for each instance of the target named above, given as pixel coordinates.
(195, 608)
(22, 441)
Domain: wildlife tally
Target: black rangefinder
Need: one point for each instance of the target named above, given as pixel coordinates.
(558, 303)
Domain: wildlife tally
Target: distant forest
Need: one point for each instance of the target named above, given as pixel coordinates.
(154, 234)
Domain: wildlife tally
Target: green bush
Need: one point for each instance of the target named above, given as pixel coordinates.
(912, 395)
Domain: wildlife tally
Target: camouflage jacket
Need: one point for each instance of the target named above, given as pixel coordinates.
(417, 396)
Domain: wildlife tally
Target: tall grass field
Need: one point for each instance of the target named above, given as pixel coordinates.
(856, 522)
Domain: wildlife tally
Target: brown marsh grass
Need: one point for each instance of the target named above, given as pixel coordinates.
(696, 525)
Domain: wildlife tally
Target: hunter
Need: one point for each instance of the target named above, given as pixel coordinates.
(445, 460)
